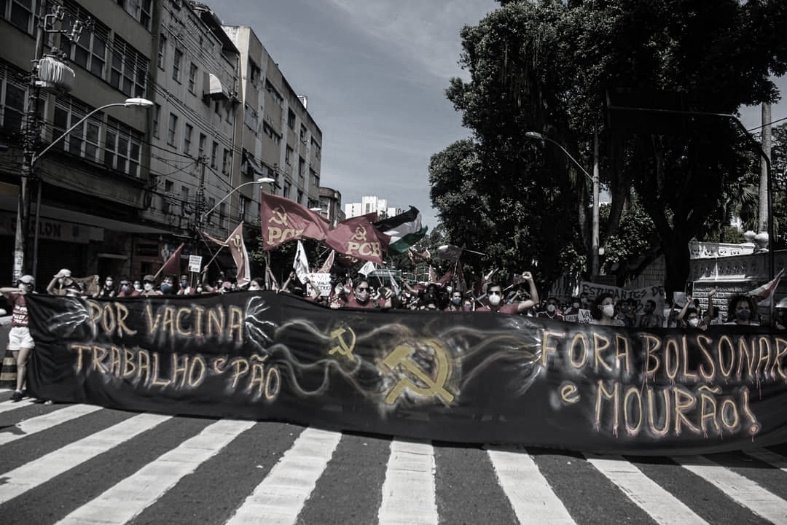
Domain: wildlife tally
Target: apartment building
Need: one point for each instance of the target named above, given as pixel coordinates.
(194, 123)
(279, 137)
(370, 204)
(89, 189)
(123, 188)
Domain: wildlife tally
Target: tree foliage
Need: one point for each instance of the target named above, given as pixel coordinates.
(548, 66)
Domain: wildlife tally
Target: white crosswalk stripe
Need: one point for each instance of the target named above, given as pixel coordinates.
(408, 492)
(741, 489)
(662, 506)
(280, 497)
(34, 473)
(5, 406)
(531, 497)
(409, 487)
(134, 494)
(47, 421)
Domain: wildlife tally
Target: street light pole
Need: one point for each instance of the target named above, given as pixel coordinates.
(594, 179)
(28, 164)
(261, 180)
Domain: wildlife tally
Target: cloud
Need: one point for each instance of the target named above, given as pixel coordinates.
(422, 32)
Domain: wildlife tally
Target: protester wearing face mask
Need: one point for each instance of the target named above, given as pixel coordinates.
(360, 297)
(742, 311)
(60, 282)
(604, 311)
(455, 302)
(107, 291)
(650, 318)
(167, 286)
(494, 293)
(551, 311)
(126, 289)
(149, 286)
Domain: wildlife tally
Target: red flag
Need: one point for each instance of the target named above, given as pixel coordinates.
(172, 266)
(283, 220)
(357, 237)
(239, 254)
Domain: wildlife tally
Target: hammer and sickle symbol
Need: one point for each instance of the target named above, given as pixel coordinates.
(343, 347)
(400, 356)
(279, 216)
(237, 240)
(360, 234)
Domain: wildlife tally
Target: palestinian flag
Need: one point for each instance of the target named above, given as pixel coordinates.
(404, 230)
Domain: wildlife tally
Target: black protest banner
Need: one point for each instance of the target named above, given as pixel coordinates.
(464, 377)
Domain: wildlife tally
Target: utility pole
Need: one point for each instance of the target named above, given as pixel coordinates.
(764, 172)
(594, 240)
(29, 139)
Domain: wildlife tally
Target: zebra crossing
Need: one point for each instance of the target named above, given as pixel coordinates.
(77, 464)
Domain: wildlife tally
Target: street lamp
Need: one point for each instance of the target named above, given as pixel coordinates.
(594, 266)
(261, 180)
(29, 160)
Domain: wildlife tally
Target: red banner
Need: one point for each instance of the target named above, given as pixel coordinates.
(358, 238)
(283, 220)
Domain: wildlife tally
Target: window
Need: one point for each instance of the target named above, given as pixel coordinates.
(162, 52)
(21, 14)
(222, 214)
(214, 152)
(245, 206)
(156, 117)
(12, 109)
(187, 139)
(211, 205)
(288, 156)
(177, 63)
(286, 191)
(254, 73)
(300, 197)
(291, 119)
(192, 77)
(166, 206)
(139, 9)
(90, 50)
(129, 69)
(123, 148)
(303, 134)
(274, 93)
(83, 140)
(270, 132)
(184, 200)
(201, 147)
(172, 130)
(301, 168)
(226, 161)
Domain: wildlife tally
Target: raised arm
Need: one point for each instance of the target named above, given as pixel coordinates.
(529, 303)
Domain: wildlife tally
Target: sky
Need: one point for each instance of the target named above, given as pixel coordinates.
(375, 74)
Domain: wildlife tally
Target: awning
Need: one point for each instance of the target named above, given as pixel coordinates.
(251, 163)
(214, 89)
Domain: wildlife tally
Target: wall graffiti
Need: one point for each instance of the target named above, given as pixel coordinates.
(468, 377)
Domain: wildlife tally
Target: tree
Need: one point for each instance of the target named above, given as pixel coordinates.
(550, 66)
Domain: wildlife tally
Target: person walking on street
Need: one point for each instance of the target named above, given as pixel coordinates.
(20, 342)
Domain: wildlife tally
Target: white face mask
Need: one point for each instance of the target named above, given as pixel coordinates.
(694, 322)
(494, 300)
(550, 308)
(148, 287)
(608, 310)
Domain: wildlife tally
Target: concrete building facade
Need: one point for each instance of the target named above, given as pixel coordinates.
(121, 190)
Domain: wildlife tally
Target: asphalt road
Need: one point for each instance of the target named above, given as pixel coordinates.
(83, 464)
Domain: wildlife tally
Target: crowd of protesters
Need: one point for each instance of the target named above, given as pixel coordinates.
(521, 298)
